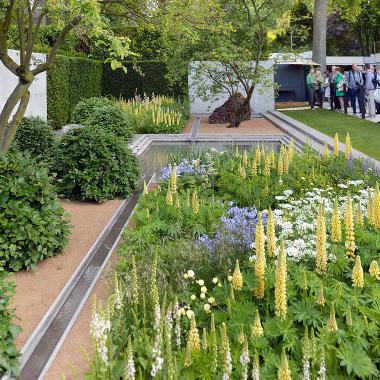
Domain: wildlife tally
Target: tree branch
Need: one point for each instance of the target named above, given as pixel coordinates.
(45, 66)
(31, 43)
(20, 25)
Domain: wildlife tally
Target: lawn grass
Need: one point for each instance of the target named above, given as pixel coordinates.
(364, 134)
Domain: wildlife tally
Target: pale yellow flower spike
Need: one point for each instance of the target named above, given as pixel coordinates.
(349, 230)
(280, 285)
(257, 328)
(258, 155)
(195, 202)
(145, 192)
(348, 316)
(237, 279)
(245, 158)
(370, 209)
(284, 372)
(336, 145)
(376, 206)
(254, 168)
(260, 258)
(359, 216)
(271, 238)
(336, 230)
(286, 163)
(169, 197)
(321, 254)
(348, 145)
(291, 149)
(173, 180)
(374, 270)
(332, 326)
(194, 343)
(267, 167)
(321, 298)
(280, 166)
(325, 151)
(272, 158)
(357, 274)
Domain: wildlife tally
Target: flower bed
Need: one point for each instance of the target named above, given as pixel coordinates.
(248, 265)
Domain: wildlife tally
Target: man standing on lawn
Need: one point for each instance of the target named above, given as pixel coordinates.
(370, 90)
(312, 84)
(353, 82)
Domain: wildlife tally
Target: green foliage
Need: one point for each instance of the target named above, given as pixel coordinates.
(70, 80)
(86, 107)
(103, 113)
(8, 329)
(93, 164)
(35, 136)
(153, 80)
(33, 224)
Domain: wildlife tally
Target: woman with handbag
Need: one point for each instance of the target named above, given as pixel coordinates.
(339, 83)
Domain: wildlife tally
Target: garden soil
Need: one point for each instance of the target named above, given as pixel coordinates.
(252, 126)
(36, 291)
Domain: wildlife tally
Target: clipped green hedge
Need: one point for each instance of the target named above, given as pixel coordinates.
(70, 80)
(126, 85)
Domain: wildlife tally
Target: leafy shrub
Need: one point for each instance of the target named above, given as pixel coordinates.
(8, 330)
(33, 224)
(93, 164)
(34, 135)
(85, 108)
(113, 119)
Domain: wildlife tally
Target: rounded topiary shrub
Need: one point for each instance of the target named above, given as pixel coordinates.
(34, 135)
(111, 118)
(93, 164)
(33, 223)
(86, 107)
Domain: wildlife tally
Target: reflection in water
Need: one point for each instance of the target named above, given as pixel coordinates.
(158, 155)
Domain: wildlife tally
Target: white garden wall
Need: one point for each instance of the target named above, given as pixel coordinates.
(262, 98)
(38, 96)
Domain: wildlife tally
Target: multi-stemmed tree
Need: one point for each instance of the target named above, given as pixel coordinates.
(89, 18)
(227, 39)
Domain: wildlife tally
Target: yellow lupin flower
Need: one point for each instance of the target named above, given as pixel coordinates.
(245, 158)
(237, 151)
(321, 298)
(267, 166)
(188, 359)
(262, 152)
(374, 270)
(376, 206)
(359, 216)
(260, 263)
(286, 163)
(169, 198)
(349, 229)
(258, 155)
(280, 165)
(348, 316)
(254, 168)
(284, 372)
(282, 150)
(291, 149)
(145, 192)
(173, 180)
(194, 343)
(336, 230)
(177, 204)
(195, 202)
(370, 209)
(336, 145)
(280, 285)
(325, 152)
(332, 326)
(357, 274)
(237, 279)
(272, 158)
(257, 328)
(348, 145)
(243, 173)
(321, 254)
(204, 339)
(271, 238)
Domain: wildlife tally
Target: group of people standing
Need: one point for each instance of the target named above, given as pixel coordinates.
(356, 86)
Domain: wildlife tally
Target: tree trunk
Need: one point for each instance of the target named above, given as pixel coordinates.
(319, 33)
(7, 130)
(239, 114)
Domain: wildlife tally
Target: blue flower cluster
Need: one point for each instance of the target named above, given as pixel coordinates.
(238, 229)
(182, 169)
